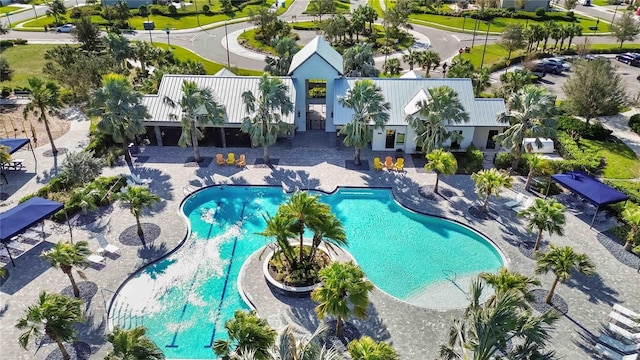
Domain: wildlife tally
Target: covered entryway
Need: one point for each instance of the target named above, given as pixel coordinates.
(316, 104)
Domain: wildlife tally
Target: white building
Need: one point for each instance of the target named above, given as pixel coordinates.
(315, 81)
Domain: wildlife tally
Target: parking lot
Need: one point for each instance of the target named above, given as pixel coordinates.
(554, 82)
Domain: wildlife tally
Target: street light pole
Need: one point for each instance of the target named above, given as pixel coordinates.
(615, 12)
(226, 37)
(197, 17)
(34, 10)
(168, 40)
(149, 23)
(475, 28)
(486, 39)
(9, 20)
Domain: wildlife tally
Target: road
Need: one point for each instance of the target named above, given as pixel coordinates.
(40, 10)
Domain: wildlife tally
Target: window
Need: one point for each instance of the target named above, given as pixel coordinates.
(400, 139)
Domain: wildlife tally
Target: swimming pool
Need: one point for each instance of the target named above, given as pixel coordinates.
(185, 299)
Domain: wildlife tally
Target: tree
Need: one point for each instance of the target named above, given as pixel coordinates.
(371, 15)
(504, 281)
(570, 4)
(631, 215)
(45, 100)
(56, 8)
(490, 182)
(460, 68)
(366, 348)
(344, 292)
(594, 89)
(119, 47)
(626, 28)
(5, 157)
(303, 209)
(481, 79)
(55, 316)
(441, 162)
(81, 167)
(249, 333)
(328, 231)
(285, 49)
(544, 215)
(428, 60)
(281, 227)
(501, 328)
(121, 13)
(336, 28)
(269, 25)
(534, 33)
(557, 33)
(359, 62)
(66, 255)
(561, 261)
(87, 34)
(513, 81)
(138, 198)
(429, 121)
(359, 21)
(573, 30)
(6, 72)
(121, 111)
(369, 108)
(264, 122)
(145, 54)
(321, 7)
(198, 108)
(529, 116)
(132, 344)
(412, 58)
(549, 29)
(537, 165)
(512, 38)
(4, 29)
(391, 67)
(397, 17)
(287, 347)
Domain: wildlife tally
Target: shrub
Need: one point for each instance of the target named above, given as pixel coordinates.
(20, 42)
(576, 158)
(503, 160)
(6, 91)
(80, 167)
(157, 11)
(474, 159)
(206, 9)
(629, 187)
(173, 10)
(542, 186)
(75, 13)
(143, 10)
(634, 123)
(574, 126)
(571, 15)
(541, 12)
(6, 43)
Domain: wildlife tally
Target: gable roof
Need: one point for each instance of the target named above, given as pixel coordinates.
(317, 46)
(224, 72)
(411, 75)
(400, 93)
(412, 106)
(227, 90)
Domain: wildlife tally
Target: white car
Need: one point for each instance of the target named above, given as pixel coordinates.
(559, 62)
(66, 28)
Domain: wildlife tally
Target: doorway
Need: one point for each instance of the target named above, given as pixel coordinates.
(390, 141)
(491, 144)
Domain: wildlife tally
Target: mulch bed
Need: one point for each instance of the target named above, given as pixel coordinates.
(557, 302)
(617, 250)
(191, 162)
(351, 165)
(130, 236)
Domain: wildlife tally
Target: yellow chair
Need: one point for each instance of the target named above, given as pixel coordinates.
(231, 159)
(242, 162)
(388, 163)
(377, 164)
(399, 165)
(220, 159)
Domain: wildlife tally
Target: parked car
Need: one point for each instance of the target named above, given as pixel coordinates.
(559, 62)
(67, 28)
(550, 68)
(539, 71)
(632, 59)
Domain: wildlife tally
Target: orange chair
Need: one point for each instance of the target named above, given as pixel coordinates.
(220, 159)
(388, 163)
(242, 162)
(231, 159)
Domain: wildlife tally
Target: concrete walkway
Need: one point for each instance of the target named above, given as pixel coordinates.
(619, 124)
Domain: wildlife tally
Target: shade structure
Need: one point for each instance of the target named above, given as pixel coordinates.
(18, 219)
(13, 144)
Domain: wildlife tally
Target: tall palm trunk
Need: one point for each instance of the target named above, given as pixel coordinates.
(628, 245)
(125, 146)
(44, 119)
(301, 232)
(194, 143)
(339, 326)
(357, 161)
(486, 203)
(527, 184)
(570, 41)
(140, 232)
(76, 290)
(551, 291)
(435, 190)
(265, 154)
(538, 238)
(65, 353)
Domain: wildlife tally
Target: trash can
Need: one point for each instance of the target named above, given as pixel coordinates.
(149, 25)
(133, 148)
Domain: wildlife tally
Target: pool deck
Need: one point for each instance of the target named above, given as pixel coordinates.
(313, 161)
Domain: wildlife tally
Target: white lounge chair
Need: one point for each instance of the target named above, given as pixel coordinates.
(139, 180)
(626, 312)
(619, 318)
(623, 332)
(105, 246)
(97, 259)
(618, 345)
(605, 351)
(520, 198)
(525, 205)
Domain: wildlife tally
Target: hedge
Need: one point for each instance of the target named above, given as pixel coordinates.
(630, 188)
(634, 123)
(595, 131)
(491, 13)
(577, 159)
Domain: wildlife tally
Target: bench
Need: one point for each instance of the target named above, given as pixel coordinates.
(15, 164)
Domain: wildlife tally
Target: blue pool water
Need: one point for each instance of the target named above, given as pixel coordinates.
(185, 299)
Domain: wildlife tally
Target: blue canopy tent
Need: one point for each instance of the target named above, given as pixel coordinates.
(589, 188)
(15, 145)
(18, 219)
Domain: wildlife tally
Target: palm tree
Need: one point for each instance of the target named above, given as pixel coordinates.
(358, 61)
(305, 210)
(505, 280)
(55, 316)
(3, 272)
(66, 255)
(281, 228)
(533, 34)
(5, 157)
(513, 81)
(412, 58)
(45, 99)
(56, 8)
(118, 46)
(121, 111)
(561, 260)
(264, 120)
(429, 59)
(391, 67)
(556, 33)
(369, 108)
(631, 215)
(199, 108)
(489, 182)
(529, 116)
(285, 49)
(249, 334)
(573, 30)
(441, 162)
(144, 53)
(138, 198)
(371, 15)
(366, 348)
(344, 291)
(132, 344)
(487, 329)
(537, 165)
(287, 347)
(327, 230)
(429, 121)
(481, 79)
(549, 30)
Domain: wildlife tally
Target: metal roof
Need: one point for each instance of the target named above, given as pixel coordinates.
(224, 72)
(400, 92)
(228, 90)
(411, 75)
(317, 46)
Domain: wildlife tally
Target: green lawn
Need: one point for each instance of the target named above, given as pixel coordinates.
(498, 24)
(375, 4)
(622, 162)
(630, 46)
(26, 61)
(209, 66)
(341, 6)
(250, 36)
(494, 54)
(6, 9)
(599, 2)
